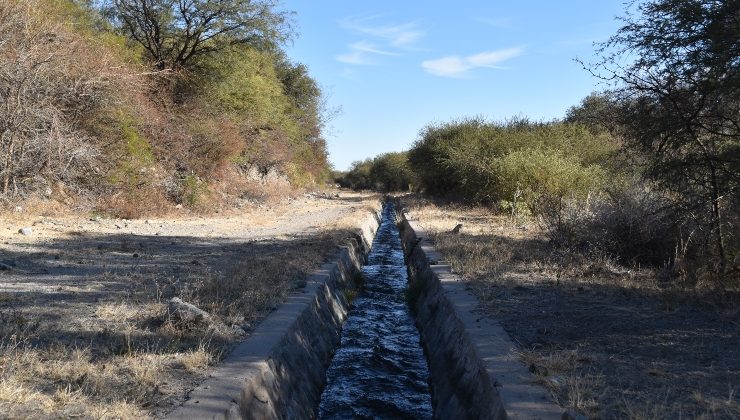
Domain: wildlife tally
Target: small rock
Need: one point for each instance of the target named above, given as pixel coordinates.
(179, 206)
(336, 195)
(187, 312)
(118, 226)
(136, 255)
(457, 228)
(238, 330)
(95, 219)
(18, 209)
(25, 231)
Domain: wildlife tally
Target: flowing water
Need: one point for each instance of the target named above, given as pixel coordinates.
(379, 370)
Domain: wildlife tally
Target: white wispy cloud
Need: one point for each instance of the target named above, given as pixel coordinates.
(456, 66)
(363, 54)
(370, 48)
(378, 39)
(357, 58)
(403, 35)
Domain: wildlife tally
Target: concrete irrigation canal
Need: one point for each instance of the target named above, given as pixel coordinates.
(323, 354)
(379, 369)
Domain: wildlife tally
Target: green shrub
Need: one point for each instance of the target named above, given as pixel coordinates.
(387, 172)
(489, 162)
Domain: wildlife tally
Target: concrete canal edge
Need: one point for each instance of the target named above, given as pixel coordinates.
(279, 371)
(474, 370)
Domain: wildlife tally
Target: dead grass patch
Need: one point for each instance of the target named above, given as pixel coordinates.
(85, 328)
(609, 340)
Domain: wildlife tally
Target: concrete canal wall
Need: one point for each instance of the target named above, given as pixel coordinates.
(474, 370)
(278, 372)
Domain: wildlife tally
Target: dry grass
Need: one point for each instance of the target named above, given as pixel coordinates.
(608, 340)
(85, 329)
(67, 382)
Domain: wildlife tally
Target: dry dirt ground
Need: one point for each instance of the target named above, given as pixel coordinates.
(612, 342)
(86, 327)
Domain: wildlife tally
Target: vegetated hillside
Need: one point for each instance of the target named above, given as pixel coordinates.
(136, 106)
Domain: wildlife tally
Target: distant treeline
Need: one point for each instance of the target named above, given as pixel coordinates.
(647, 172)
(139, 103)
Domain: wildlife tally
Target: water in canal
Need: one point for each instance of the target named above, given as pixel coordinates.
(379, 370)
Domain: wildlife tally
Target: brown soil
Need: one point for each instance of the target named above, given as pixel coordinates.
(610, 341)
(85, 328)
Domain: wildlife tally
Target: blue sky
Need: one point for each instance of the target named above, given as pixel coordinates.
(395, 66)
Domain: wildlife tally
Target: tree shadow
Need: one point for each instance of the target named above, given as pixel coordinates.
(641, 338)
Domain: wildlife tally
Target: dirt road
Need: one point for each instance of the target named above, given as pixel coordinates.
(84, 301)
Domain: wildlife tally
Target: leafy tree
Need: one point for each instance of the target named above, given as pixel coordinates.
(391, 172)
(358, 176)
(467, 158)
(681, 96)
(174, 33)
(597, 111)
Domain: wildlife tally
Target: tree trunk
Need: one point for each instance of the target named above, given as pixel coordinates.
(717, 222)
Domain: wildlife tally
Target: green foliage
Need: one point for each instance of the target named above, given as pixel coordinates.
(386, 172)
(243, 81)
(92, 117)
(137, 148)
(491, 162)
(680, 97)
(358, 176)
(539, 175)
(175, 34)
(391, 172)
(597, 111)
(193, 190)
(274, 104)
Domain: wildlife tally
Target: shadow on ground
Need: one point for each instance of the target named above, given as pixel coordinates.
(107, 294)
(604, 339)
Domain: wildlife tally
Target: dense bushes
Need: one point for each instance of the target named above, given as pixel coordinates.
(540, 164)
(589, 192)
(51, 76)
(386, 172)
(93, 109)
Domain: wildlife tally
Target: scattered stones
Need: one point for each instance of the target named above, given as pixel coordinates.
(25, 231)
(187, 312)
